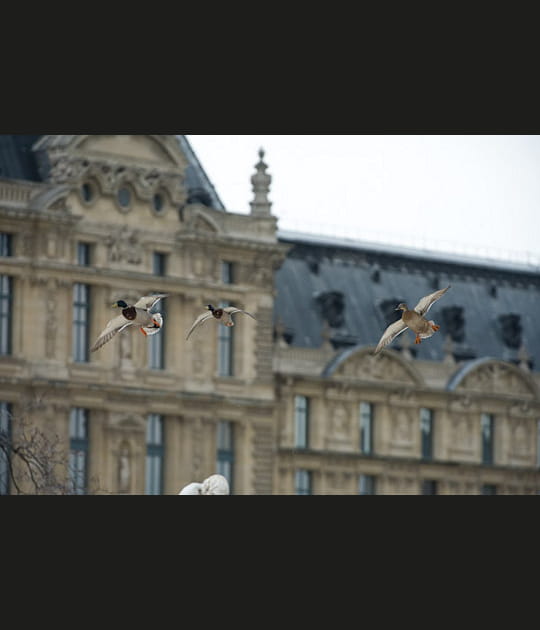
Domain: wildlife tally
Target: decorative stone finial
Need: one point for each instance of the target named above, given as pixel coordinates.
(523, 357)
(261, 206)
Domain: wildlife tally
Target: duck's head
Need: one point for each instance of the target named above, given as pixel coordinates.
(402, 307)
(120, 304)
(209, 307)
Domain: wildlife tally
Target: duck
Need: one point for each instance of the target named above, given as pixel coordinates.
(136, 314)
(222, 315)
(413, 319)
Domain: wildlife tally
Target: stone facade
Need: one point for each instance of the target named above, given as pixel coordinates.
(78, 202)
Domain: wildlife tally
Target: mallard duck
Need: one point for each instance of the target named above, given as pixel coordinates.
(139, 313)
(222, 315)
(414, 320)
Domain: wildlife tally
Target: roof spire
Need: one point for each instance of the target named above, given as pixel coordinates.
(261, 205)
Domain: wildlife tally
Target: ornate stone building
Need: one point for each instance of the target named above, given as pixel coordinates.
(293, 402)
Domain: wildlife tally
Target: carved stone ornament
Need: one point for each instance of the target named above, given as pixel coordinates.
(124, 245)
(496, 378)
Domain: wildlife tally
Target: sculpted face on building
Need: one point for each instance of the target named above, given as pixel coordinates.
(292, 401)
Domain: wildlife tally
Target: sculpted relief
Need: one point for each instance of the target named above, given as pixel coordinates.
(496, 378)
(368, 367)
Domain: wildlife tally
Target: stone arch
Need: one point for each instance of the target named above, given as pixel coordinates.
(493, 376)
(360, 363)
(200, 221)
(52, 199)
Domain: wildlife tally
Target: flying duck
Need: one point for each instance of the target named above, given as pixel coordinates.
(413, 319)
(222, 315)
(138, 314)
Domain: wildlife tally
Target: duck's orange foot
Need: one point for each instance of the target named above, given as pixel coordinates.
(417, 340)
(144, 332)
(435, 327)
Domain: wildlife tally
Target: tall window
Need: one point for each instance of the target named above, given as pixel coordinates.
(303, 482)
(81, 322)
(84, 254)
(156, 343)
(5, 244)
(301, 422)
(488, 435)
(225, 348)
(426, 432)
(155, 450)
(366, 428)
(367, 484)
(6, 306)
(78, 453)
(159, 264)
(429, 486)
(225, 451)
(5, 446)
(227, 275)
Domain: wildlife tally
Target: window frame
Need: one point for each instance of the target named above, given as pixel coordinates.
(303, 482)
(79, 447)
(302, 416)
(81, 326)
(225, 450)
(155, 452)
(225, 350)
(488, 451)
(6, 314)
(366, 430)
(426, 438)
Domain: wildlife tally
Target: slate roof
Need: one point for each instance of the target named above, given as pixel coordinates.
(18, 161)
(491, 309)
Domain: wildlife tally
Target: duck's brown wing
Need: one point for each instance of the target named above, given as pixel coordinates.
(149, 301)
(115, 326)
(427, 302)
(232, 310)
(390, 334)
(198, 322)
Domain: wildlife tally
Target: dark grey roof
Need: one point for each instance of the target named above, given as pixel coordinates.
(18, 161)
(490, 310)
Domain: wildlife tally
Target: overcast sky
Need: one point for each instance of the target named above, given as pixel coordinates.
(457, 193)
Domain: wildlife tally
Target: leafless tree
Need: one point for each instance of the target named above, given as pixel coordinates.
(33, 460)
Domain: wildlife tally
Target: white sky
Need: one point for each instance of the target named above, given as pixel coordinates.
(475, 195)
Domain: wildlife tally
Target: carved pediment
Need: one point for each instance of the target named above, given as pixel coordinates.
(149, 163)
(126, 422)
(362, 365)
(496, 377)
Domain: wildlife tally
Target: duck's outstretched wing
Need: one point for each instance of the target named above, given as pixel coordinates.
(200, 320)
(115, 326)
(149, 301)
(232, 310)
(426, 302)
(390, 334)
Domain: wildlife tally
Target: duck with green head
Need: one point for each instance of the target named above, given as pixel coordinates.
(222, 314)
(136, 314)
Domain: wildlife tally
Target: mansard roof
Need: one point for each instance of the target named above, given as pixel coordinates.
(347, 290)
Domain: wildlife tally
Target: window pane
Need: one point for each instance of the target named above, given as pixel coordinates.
(6, 300)
(488, 422)
(225, 348)
(156, 343)
(5, 244)
(429, 487)
(366, 428)
(303, 482)
(78, 456)
(83, 254)
(489, 489)
(81, 322)
(301, 421)
(367, 484)
(225, 451)
(159, 264)
(426, 429)
(227, 273)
